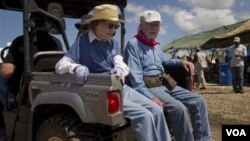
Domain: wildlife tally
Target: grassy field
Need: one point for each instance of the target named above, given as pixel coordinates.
(225, 107)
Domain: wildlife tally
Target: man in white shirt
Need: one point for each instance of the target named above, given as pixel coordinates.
(238, 53)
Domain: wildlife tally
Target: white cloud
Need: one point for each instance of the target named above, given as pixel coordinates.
(186, 21)
(135, 10)
(199, 19)
(169, 10)
(211, 4)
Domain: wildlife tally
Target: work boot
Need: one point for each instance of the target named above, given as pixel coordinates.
(241, 91)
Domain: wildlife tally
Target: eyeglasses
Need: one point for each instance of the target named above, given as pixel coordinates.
(111, 26)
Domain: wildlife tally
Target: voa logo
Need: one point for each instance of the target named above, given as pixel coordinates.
(236, 132)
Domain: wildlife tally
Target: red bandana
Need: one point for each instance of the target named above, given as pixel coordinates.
(143, 39)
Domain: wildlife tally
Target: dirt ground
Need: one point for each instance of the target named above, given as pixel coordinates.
(225, 107)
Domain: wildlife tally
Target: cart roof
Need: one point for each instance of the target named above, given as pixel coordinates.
(72, 8)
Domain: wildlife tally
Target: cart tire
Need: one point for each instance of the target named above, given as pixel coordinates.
(65, 128)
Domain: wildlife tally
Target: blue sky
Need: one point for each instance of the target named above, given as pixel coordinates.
(180, 18)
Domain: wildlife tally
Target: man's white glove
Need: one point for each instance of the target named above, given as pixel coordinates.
(81, 72)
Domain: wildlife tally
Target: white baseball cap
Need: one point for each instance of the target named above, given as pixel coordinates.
(151, 16)
(237, 39)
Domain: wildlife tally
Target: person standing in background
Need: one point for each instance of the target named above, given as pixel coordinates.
(238, 53)
(83, 25)
(200, 62)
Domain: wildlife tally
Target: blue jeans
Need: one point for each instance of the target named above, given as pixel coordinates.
(237, 77)
(178, 104)
(147, 118)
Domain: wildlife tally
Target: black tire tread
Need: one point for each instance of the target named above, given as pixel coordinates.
(74, 125)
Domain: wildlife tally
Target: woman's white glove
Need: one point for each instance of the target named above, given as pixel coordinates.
(120, 68)
(81, 72)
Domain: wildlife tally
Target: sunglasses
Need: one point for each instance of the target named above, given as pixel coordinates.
(111, 25)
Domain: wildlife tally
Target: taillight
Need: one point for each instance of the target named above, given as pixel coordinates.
(113, 102)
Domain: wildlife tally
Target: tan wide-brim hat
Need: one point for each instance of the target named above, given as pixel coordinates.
(106, 12)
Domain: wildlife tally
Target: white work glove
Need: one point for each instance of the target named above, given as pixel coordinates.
(120, 68)
(81, 72)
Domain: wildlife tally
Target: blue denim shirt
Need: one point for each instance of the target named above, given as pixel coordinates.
(144, 60)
